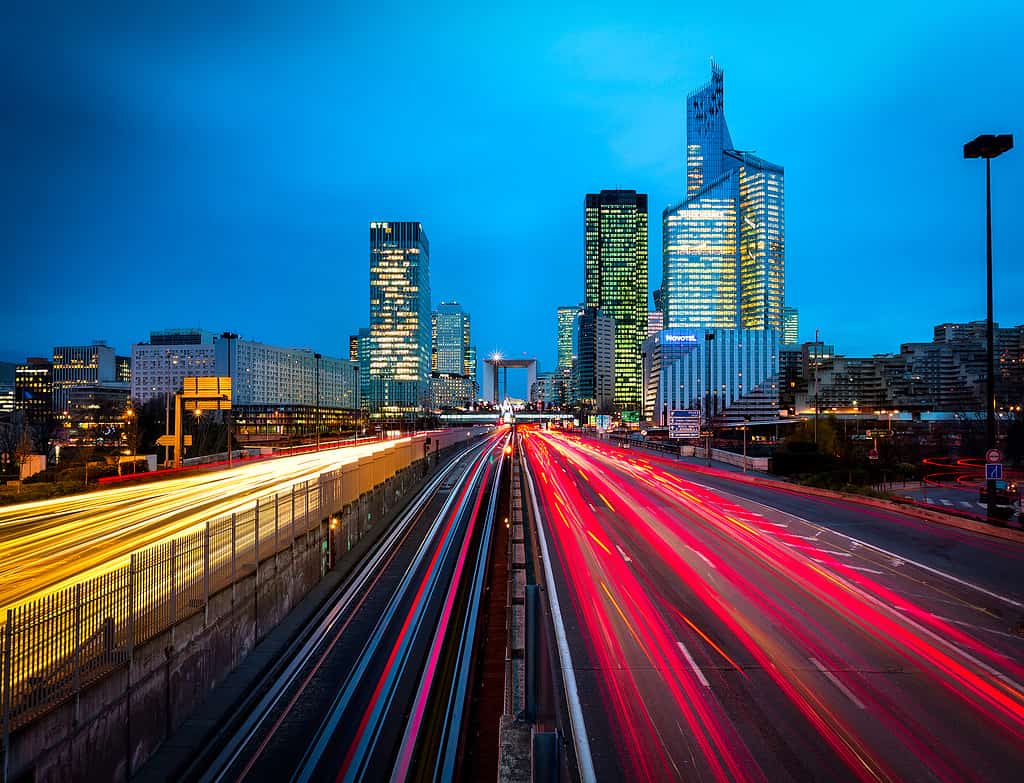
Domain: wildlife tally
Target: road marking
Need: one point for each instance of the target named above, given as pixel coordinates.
(945, 502)
(625, 557)
(813, 538)
(893, 555)
(833, 552)
(694, 666)
(837, 682)
(775, 524)
(702, 557)
(853, 567)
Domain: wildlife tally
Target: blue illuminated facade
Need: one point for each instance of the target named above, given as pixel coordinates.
(723, 246)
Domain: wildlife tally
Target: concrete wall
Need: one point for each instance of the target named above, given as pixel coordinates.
(115, 724)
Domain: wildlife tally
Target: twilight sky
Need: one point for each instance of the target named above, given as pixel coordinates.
(217, 163)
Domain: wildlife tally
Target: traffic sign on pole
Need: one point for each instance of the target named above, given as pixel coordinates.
(994, 471)
(993, 456)
(684, 423)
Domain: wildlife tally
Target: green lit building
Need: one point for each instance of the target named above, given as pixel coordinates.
(615, 280)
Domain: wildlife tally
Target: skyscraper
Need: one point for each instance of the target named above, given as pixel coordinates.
(452, 356)
(790, 326)
(615, 280)
(723, 246)
(593, 371)
(400, 339)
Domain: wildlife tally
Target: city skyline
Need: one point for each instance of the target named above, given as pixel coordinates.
(920, 256)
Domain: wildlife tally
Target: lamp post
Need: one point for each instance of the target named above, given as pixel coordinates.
(709, 338)
(229, 336)
(318, 357)
(989, 146)
(130, 415)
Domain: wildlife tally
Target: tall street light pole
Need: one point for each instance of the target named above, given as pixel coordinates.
(989, 146)
(318, 357)
(709, 338)
(229, 336)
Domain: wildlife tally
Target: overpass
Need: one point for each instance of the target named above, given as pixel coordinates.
(491, 417)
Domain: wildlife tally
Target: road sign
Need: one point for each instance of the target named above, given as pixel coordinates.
(684, 423)
(168, 440)
(603, 421)
(206, 393)
(994, 471)
(873, 454)
(993, 456)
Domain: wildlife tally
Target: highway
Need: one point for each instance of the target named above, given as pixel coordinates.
(720, 630)
(45, 545)
(377, 687)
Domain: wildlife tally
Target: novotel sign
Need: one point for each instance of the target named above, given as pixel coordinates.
(678, 338)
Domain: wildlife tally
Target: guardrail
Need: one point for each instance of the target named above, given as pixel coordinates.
(54, 646)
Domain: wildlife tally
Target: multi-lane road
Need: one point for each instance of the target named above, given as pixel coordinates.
(46, 544)
(720, 630)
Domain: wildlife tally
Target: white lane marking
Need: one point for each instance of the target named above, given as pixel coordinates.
(813, 538)
(701, 556)
(694, 666)
(945, 502)
(892, 555)
(966, 624)
(625, 557)
(837, 682)
(783, 525)
(853, 567)
(833, 552)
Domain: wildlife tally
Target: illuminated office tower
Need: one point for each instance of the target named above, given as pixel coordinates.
(790, 326)
(593, 370)
(615, 280)
(723, 246)
(452, 356)
(400, 341)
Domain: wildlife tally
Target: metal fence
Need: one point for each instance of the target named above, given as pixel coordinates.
(54, 646)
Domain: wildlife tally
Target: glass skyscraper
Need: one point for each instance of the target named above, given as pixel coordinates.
(790, 326)
(615, 280)
(452, 354)
(398, 367)
(723, 246)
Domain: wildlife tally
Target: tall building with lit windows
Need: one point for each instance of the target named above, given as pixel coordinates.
(453, 359)
(398, 369)
(790, 326)
(723, 245)
(615, 280)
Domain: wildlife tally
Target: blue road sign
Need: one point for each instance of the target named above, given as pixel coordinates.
(684, 423)
(994, 472)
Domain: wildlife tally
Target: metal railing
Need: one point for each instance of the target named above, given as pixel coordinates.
(54, 646)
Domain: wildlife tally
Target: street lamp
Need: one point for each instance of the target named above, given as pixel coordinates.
(130, 415)
(989, 146)
(709, 337)
(318, 357)
(229, 336)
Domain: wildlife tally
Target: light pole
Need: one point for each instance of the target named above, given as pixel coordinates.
(709, 338)
(318, 357)
(989, 146)
(229, 336)
(130, 415)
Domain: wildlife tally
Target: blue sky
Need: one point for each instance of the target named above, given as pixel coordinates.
(217, 164)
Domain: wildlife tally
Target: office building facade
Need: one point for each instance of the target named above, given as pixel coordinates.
(615, 280)
(80, 365)
(33, 390)
(790, 326)
(743, 374)
(593, 371)
(452, 353)
(723, 246)
(160, 366)
(399, 358)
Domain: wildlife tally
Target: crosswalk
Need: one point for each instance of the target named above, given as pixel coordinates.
(956, 504)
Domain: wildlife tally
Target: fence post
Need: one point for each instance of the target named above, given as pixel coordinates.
(291, 538)
(131, 662)
(256, 587)
(78, 648)
(277, 527)
(234, 533)
(206, 574)
(174, 585)
(5, 688)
